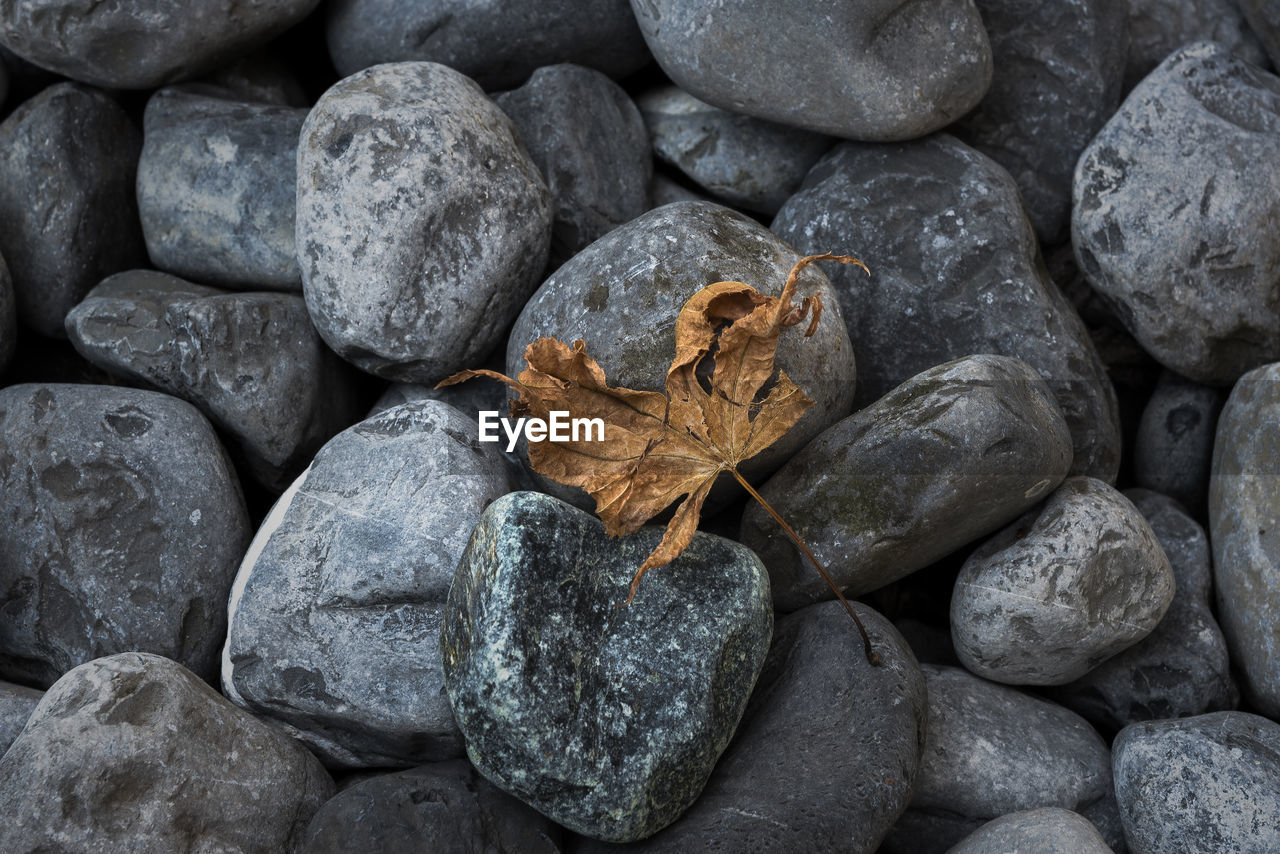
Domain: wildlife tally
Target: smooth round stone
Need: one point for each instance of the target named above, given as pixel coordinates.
(828, 750)
(871, 70)
(141, 44)
(334, 617)
(1173, 450)
(991, 750)
(414, 285)
(8, 317)
(440, 807)
(68, 217)
(1058, 70)
(251, 362)
(955, 270)
(216, 189)
(134, 753)
(1181, 668)
(17, 702)
(1244, 527)
(1157, 28)
(1263, 17)
(1176, 201)
(1201, 785)
(589, 141)
(121, 522)
(748, 163)
(497, 46)
(1046, 830)
(1062, 589)
(948, 457)
(607, 719)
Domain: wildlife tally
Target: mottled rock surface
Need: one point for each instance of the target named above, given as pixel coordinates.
(1201, 785)
(122, 522)
(1046, 830)
(1062, 589)
(216, 189)
(606, 719)
(871, 70)
(949, 456)
(335, 615)
(1159, 27)
(17, 702)
(1244, 527)
(134, 754)
(68, 217)
(1173, 449)
(1175, 205)
(954, 271)
(413, 286)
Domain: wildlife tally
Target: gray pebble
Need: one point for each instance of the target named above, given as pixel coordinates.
(606, 719)
(1045, 830)
(335, 615)
(954, 271)
(1263, 17)
(422, 223)
(1173, 449)
(68, 218)
(1157, 28)
(121, 522)
(133, 754)
(1175, 205)
(1062, 589)
(1202, 785)
(497, 46)
(17, 702)
(589, 141)
(949, 456)
(216, 189)
(1244, 527)
(867, 70)
(745, 162)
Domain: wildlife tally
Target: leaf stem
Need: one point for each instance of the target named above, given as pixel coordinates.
(872, 657)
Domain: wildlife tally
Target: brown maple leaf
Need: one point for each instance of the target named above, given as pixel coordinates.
(660, 448)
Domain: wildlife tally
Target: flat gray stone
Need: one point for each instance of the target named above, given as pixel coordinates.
(134, 754)
(498, 47)
(867, 70)
(17, 702)
(251, 362)
(1173, 449)
(1201, 785)
(68, 217)
(1157, 28)
(1244, 527)
(216, 189)
(949, 456)
(1045, 830)
(335, 615)
(121, 523)
(1176, 201)
(1062, 589)
(1263, 17)
(414, 285)
(141, 44)
(954, 271)
(606, 719)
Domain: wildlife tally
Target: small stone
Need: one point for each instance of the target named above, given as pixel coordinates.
(422, 223)
(441, 807)
(121, 522)
(252, 362)
(954, 271)
(8, 317)
(1157, 28)
(992, 750)
(68, 218)
(334, 617)
(1062, 589)
(17, 702)
(133, 753)
(589, 141)
(141, 44)
(606, 719)
(1244, 527)
(1263, 17)
(498, 47)
(948, 457)
(216, 189)
(1176, 201)
(1181, 668)
(1045, 830)
(748, 163)
(1173, 450)
(871, 71)
(1201, 785)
